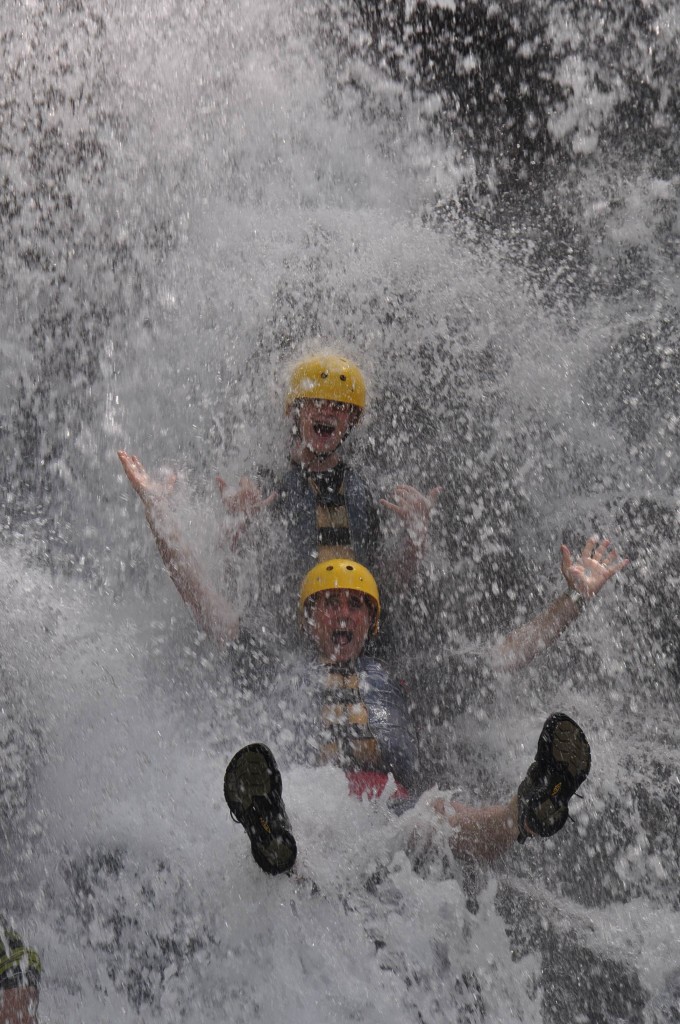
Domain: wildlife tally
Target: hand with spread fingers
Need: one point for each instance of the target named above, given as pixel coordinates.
(149, 490)
(247, 500)
(596, 564)
(243, 505)
(585, 576)
(414, 509)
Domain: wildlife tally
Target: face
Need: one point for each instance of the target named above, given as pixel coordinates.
(324, 425)
(339, 622)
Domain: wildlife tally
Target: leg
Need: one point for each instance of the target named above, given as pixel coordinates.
(541, 806)
(480, 832)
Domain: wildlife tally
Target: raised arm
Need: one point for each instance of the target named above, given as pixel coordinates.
(212, 612)
(585, 577)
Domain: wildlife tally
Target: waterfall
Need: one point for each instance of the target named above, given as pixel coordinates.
(480, 202)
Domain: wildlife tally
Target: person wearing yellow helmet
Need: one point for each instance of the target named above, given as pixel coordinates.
(325, 504)
(360, 721)
(326, 397)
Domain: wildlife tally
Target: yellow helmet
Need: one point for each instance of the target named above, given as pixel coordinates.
(343, 574)
(328, 377)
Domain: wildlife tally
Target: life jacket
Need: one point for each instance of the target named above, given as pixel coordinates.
(364, 725)
(328, 514)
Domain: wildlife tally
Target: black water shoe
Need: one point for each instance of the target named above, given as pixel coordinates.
(252, 789)
(562, 763)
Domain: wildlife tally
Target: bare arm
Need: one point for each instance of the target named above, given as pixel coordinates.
(213, 613)
(585, 577)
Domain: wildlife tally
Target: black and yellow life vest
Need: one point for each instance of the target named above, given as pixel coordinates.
(334, 539)
(346, 737)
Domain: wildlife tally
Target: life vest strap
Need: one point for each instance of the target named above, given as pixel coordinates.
(332, 522)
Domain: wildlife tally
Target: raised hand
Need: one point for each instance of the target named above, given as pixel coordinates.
(596, 564)
(414, 509)
(247, 500)
(148, 489)
(243, 505)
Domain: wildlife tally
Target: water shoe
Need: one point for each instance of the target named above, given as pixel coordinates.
(562, 763)
(252, 789)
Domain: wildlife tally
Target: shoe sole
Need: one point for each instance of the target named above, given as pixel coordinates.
(561, 765)
(251, 779)
(570, 750)
(253, 772)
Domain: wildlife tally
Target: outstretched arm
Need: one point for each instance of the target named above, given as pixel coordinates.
(212, 612)
(585, 577)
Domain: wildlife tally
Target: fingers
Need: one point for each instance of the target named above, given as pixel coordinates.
(130, 463)
(606, 556)
(409, 501)
(597, 563)
(400, 510)
(245, 501)
(149, 490)
(613, 569)
(601, 550)
(589, 547)
(134, 470)
(603, 553)
(406, 491)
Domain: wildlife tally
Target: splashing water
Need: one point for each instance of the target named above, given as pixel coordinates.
(188, 191)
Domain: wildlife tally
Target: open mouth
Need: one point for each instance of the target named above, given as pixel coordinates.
(342, 637)
(324, 429)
